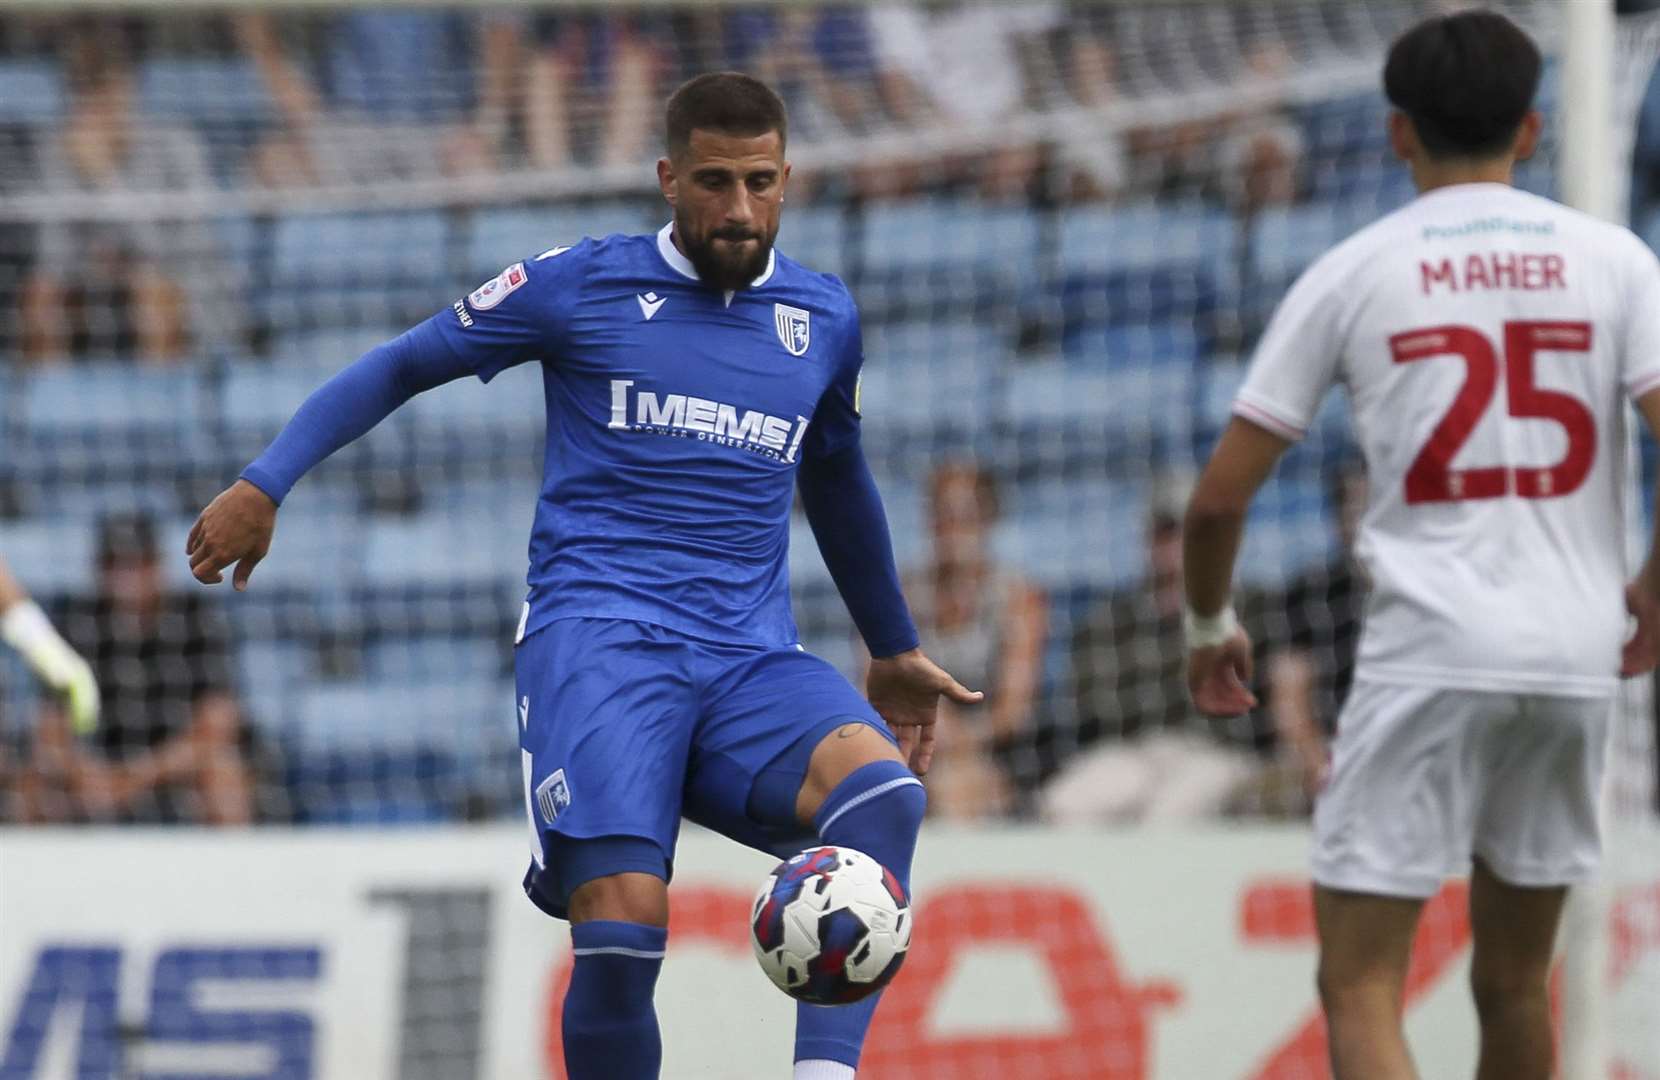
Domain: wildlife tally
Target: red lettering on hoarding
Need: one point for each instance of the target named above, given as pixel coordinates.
(1634, 929)
(1108, 1023)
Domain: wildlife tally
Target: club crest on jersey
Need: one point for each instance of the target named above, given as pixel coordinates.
(552, 796)
(793, 330)
(494, 291)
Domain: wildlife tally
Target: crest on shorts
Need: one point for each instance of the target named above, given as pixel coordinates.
(793, 330)
(494, 291)
(553, 795)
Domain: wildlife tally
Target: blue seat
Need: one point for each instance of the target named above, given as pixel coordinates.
(502, 237)
(263, 398)
(110, 398)
(962, 234)
(462, 719)
(443, 551)
(948, 344)
(915, 411)
(511, 405)
(1177, 343)
(316, 550)
(340, 269)
(1069, 533)
(1285, 240)
(31, 92)
(50, 556)
(1352, 125)
(1290, 530)
(203, 91)
(434, 657)
(1145, 235)
(1135, 297)
(1376, 189)
(327, 350)
(1059, 414)
(816, 237)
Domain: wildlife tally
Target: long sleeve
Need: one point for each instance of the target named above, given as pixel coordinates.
(845, 511)
(352, 402)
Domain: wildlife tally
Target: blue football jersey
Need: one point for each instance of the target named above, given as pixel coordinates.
(677, 415)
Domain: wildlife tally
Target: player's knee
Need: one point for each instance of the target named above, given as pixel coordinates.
(630, 898)
(1499, 988)
(839, 755)
(1347, 990)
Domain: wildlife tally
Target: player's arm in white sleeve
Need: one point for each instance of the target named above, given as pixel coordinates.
(25, 627)
(1294, 366)
(1640, 373)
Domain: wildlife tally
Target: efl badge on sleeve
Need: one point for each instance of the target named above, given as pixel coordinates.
(494, 291)
(792, 328)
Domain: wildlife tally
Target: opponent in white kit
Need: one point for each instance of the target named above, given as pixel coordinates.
(1489, 341)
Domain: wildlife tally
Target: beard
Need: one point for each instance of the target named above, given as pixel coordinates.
(726, 265)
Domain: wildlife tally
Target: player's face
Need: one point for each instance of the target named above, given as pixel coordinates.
(727, 192)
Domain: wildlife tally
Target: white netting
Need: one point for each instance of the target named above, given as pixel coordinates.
(1065, 226)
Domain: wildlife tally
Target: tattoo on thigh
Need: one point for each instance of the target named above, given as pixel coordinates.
(847, 731)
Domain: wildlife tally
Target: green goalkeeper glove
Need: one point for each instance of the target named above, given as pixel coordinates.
(27, 629)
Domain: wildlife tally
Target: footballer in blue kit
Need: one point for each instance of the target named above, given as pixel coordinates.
(695, 380)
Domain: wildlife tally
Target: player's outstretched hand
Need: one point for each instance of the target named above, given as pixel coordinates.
(235, 528)
(905, 690)
(1219, 677)
(1642, 652)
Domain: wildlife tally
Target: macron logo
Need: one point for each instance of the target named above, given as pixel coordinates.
(649, 303)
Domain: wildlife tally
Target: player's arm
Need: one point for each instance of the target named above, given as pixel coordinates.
(1219, 653)
(1294, 366)
(1642, 596)
(25, 627)
(845, 511)
(500, 324)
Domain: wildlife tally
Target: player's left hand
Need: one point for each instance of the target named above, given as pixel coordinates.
(1642, 652)
(1219, 677)
(905, 690)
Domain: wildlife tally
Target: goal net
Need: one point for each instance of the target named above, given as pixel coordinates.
(1065, 226)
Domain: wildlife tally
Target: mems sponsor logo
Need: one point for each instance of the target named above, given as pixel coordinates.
(690, 417)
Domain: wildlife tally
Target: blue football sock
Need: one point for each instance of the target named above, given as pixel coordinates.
(877, 810)
(610, 1028)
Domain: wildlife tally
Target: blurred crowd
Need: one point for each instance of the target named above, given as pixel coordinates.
(906, 98)
(1034, 108)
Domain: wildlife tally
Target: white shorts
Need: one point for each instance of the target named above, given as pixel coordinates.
(1424, 777)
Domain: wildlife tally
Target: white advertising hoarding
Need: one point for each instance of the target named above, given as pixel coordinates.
(411, 954)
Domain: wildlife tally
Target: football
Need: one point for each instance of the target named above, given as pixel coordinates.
(830, 926)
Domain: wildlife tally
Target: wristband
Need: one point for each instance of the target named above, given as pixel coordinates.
(1209, 631)
(25, 627)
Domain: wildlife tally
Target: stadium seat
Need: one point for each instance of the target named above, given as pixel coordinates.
(1285, 240)
(50, 556)
(203, 91)
(1178, 343)
(1145, 235)
(816, 237)
(31, 92)
(1072, 533)
(435, 657)
(337, 269)
(461, 718)
(502, 237)
(511, 405)
(113, 397)
(443, 551)
(327, 351)
(1059, 415)
(1354, 125)
(1290, 530)
(951, 234)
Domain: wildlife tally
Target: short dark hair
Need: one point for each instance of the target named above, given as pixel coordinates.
(725, 101)
(126, 534)
(1465, 80)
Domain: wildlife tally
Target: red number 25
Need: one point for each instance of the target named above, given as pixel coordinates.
(1432, 477)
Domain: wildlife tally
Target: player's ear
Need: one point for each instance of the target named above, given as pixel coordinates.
(665, 179)
(1527, 136)
(1403, 137)
(783, 179)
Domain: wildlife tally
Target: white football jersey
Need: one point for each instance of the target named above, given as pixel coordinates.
(1488, 340)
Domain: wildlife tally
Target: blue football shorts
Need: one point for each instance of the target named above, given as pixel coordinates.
(625, 727)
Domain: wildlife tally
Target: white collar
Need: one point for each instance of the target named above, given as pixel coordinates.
(683, 265)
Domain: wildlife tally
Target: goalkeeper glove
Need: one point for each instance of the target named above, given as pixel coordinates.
(27, 629)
